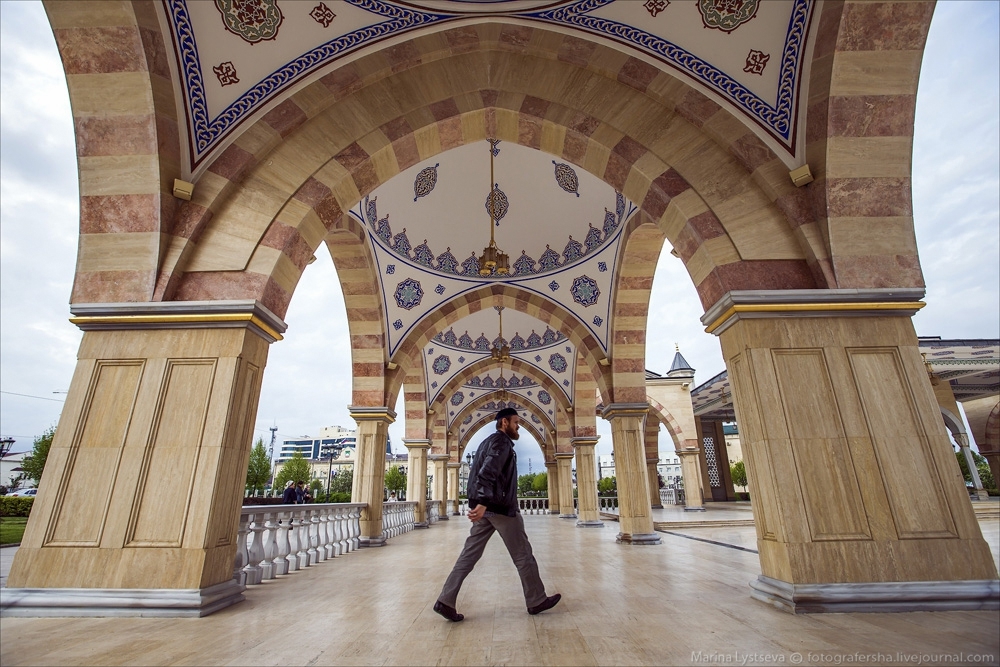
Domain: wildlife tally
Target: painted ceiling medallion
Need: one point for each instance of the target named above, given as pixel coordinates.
(227, 73)
(408, 294)
(425, 181)
(566, 178)
(252, 20)
(727, 15)
(322, 15)
(654, 7)
(585, 291)
(544, 397)
(756, 61)
(557, 362)
(441, 364)
(457, 398)
(497, 204)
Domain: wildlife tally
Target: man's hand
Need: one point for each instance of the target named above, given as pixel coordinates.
(476, 514)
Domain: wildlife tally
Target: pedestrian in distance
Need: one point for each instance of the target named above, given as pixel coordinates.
(300, 493)
(493, 508)
(289, 497)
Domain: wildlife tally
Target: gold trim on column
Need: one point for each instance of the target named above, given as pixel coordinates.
(126, 320)
(907, 307)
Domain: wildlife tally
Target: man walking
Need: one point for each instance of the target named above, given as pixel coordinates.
(493, 508)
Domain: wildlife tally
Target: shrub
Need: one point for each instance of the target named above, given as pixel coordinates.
(14, 506)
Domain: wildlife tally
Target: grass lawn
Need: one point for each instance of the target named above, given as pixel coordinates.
(12, 528)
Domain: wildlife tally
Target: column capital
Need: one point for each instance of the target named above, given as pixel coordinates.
(377, 413)
(655, 459)
(614, 410)
(240, 313)
(417, 444)
(454, 465)
(753, 304)
(585, 442)
(687, 452)
(564, 455)
(438, 457)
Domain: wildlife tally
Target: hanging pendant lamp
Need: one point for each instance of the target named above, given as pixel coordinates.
(493, 258)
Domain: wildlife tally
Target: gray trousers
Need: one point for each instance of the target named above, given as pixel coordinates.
(511, 529)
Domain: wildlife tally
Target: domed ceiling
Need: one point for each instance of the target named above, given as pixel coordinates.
(235, 59)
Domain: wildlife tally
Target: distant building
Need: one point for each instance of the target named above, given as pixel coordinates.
(333, 450)
(10, 469)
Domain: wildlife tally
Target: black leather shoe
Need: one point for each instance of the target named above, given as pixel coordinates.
(449, 612)
(550, 602)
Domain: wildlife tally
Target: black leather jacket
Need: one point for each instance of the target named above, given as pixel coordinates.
(493, 476)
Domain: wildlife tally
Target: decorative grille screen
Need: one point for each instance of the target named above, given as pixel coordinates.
(713, 466)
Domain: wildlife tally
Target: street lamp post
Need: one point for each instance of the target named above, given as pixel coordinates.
(334, 454)
(5, 446)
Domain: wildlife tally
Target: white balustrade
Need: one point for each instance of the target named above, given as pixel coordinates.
(242, 557)
(433, 511)
(397, 518)
(608, 504)
(255, 553)
(533, 505)
(281, 557)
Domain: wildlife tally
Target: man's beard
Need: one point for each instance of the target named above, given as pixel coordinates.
(512, 433)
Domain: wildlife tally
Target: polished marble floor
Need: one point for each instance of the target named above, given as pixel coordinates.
(684, 602)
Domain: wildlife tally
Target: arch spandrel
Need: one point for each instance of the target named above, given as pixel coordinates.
(486, 404)
(539, 431)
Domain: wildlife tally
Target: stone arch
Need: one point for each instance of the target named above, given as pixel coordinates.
(673, 428)
(516, 365)
(541, 437)
(409, 351)
(953, 423)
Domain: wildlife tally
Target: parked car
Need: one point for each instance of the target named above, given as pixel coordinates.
(24, 493)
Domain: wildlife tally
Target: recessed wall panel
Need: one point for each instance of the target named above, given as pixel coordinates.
(822, 456)
(91, 466)
(902, 447)
(164, 494)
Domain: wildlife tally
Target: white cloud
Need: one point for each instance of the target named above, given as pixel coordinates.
(307, 383)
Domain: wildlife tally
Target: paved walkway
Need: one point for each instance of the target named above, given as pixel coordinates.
(622, 605)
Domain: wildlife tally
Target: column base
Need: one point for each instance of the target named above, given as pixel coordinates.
(656, 507)
(638, 538)
(980, 495)
(567, 516)
(590, 524)
(443, 517)
(421, 524)
(553, 511)
(694, 509)
(878, 596)
(107, 602)
(371, 541)
(456, 514)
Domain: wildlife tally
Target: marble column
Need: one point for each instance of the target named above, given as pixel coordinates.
(635, 516)
(854, 484)
(564, 462)
(977, 484)
(691, 472)
(588, 513)
(552, 470)
(369, 469)
(416, 480)
(439, 487)
(140, 501)
(453, 487)
(651, 436)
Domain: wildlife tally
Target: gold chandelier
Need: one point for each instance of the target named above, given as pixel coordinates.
(501, 353)
(493, 258)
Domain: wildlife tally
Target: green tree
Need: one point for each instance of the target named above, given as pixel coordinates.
(395, 480)
(296, 469)
(259, 470)
(607, 486)
(34, 463)
(524, 484)
(738, 471)
(342, 480)
(541, 482)
(982, 467)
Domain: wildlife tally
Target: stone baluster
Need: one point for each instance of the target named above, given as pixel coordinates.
(255, 551)
(242, 557)
(312, 534)
(283, 528)
(340, 531)
(355, 528)
(326, 532)
(293, 542)
(302, 531)
(270, 546)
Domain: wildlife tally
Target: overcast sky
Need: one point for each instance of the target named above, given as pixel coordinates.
(956, 192)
